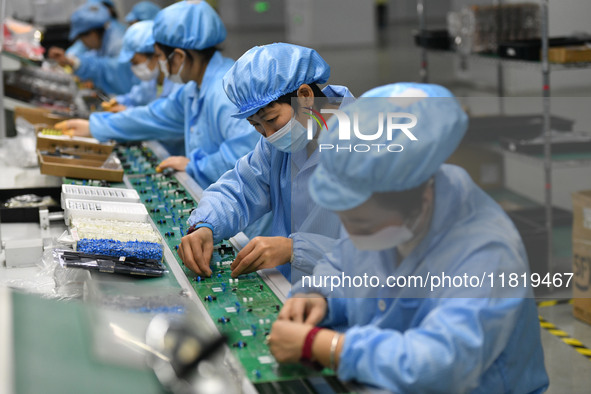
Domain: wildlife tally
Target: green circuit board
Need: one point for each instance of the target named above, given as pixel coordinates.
(242, 309)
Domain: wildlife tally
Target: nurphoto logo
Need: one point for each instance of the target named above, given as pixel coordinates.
(396, 122)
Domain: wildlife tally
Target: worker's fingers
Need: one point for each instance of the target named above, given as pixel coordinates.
(315, 314)
(246, 262)
(201, 261)
(164, 164)
(243, 253)
(63, 125)
(207, 253)
(180, 251)
(80, 127)
(297, 310)
(117, 108)
(187, 253)
(285, 312)
(256, 265)
(192, 254)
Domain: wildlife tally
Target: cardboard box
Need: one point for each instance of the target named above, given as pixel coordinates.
(73, 145)
(572, 54)
(582, 255)
(484, 166)
(582, 215)
(38, 116)
(87, 164)
(582, 280)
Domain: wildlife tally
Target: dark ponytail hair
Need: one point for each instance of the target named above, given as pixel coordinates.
(205, 54)
(287, 98)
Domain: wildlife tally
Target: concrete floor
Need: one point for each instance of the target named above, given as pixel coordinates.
(569, 371)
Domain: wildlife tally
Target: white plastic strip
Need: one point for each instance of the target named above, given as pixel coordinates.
(6, 341)
(98, 193)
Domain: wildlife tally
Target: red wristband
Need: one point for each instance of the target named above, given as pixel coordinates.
(307, 348)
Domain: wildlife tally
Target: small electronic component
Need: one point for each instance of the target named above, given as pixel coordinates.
(113, 248)
(113, 229)
(56, 132)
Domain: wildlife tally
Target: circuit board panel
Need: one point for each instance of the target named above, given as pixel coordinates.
(243, 309)
(137, 159)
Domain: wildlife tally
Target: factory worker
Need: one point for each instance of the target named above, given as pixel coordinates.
(78, 48)
(142, 11)
(138, 48)
(408, 214)
(109, 4)
(186, 34)
(92, 24)
(274, 177)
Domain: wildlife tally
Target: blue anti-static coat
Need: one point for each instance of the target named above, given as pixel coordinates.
(102, 66)
(411, 340)
(213, 139)
(78, 48)
(147, 91)
(265, 181)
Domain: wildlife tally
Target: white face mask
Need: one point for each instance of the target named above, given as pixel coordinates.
(164, 67)
(293, 137)
(386, 238)
(176, 78)
(143, 72)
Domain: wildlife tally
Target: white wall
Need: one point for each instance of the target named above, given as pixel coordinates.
(241, 14)
(406, 11)
(58, 11)
(350, 23)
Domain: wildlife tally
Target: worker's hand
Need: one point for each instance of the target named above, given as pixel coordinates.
(106, 105)
(77, 127)
(178, 163)
(117, 108)
(286, 340)
(59, 55)
(113, 106)
(304, 308)
(196, 249)
(260, 253)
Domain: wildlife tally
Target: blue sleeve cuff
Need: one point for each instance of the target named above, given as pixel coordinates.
(199, 225)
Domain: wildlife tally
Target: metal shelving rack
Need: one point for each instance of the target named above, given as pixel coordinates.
(545, 68)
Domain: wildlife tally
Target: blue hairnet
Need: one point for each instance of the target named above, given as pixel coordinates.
(87, 17)
(137, 39)
(142, 11)
(108, 2)
(344, 180)
(189, 25)
(265, 73)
